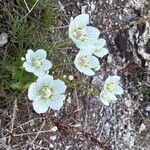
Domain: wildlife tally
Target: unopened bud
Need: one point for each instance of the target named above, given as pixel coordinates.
(22, 58)
(64, 76)
(70, 77)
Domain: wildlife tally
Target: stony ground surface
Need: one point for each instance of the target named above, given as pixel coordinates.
(124, 125)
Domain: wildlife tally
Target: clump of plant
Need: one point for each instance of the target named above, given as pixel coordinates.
(27, 28)
(46, 92)
(34, 72)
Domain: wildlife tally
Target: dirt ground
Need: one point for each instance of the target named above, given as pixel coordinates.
(124, 125)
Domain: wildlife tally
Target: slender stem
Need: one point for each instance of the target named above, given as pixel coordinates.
(30, 10)
(26, 5)
(63, 64)
(85, 90)
(79, 83)
(85, 83)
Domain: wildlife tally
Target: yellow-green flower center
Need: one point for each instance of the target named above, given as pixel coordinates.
(84, 61)
(79, 34)
(110, 86)
(103, 96)
(45, 92)
(37, 62)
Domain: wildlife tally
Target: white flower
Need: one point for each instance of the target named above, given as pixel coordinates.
(81, 34)
(36, 62)
(86, 63)
(98, 48)
(111, 89)
(106, 97)
(112, 85)
(46, 92)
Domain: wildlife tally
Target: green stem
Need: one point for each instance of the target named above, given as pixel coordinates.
(85, 84)
(63, 64)
(79, 83)
(84, 90)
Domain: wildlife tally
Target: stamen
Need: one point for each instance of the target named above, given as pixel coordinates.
(37, 62)
(84, 61)
(45, 92)
(110, 86)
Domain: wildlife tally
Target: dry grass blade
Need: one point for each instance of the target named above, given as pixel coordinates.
(4, 145)
(42, 126)
(13, 119)
(30, 10)
(26, 5)
(139, 112)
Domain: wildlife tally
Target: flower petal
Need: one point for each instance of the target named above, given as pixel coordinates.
(59, 86)
(107, 97)
(118, 90)
(30, 54)
(105, 100)
(115, 78)
(97, 67)
(111, 96)
(38, 72)
(32, 91)
(46, 64)
(76, 63)
(28, 67)
(40, 106)
(87, 47)
(57, 102)
(101, 42)
(92, 33)
(41, 53)
(94, 62)
(45, 79)
(88, 71)
(81, 20)
(101, 53)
